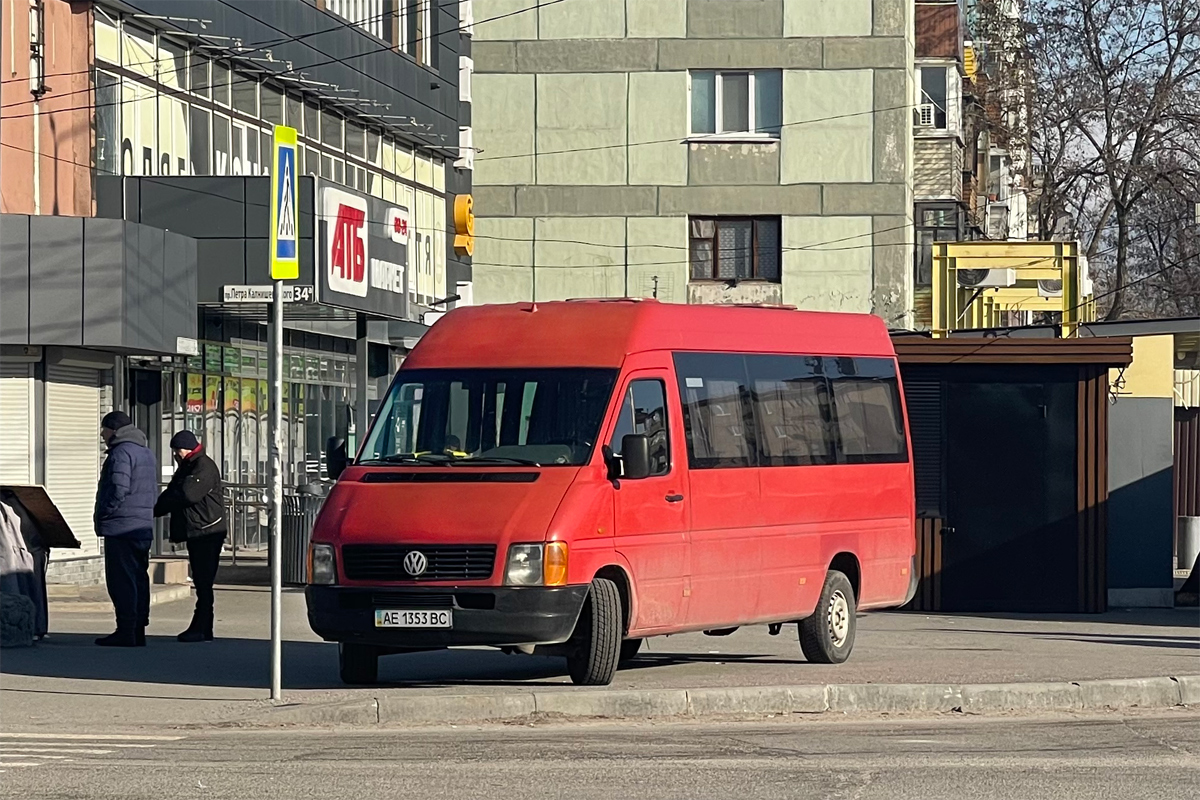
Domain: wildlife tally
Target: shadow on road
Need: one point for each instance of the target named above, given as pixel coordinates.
(243, 663)
(1155, 617)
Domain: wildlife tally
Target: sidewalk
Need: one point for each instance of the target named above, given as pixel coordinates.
(66, 680)
(70, 599)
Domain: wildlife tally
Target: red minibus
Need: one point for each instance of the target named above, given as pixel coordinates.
(570, 478)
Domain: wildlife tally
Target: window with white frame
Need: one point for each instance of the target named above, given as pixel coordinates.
(417, 33)
(940, 90)
(466, 68)
(737, 103)
(372, 16)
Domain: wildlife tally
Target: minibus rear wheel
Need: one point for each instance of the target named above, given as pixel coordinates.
(358, 663)
(597, 638)
(827, 637)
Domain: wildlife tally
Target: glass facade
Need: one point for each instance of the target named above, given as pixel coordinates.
(221, 395)
(163, 108)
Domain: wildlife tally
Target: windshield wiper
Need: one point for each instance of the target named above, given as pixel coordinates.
(523, 462)
(408, 458)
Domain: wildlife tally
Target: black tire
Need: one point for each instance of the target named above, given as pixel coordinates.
(358, 664)
(629, 650)
(827, 637)
(597, 637)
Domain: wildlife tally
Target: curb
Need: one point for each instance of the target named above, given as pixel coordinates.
(168, 593)
(413, 709)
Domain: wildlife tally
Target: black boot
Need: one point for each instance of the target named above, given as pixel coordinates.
(140, 636)
(121, 637)
(201, 630)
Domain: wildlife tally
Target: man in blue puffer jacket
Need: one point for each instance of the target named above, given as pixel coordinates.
(125, 518)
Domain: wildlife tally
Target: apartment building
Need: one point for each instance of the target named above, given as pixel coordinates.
(697, 151)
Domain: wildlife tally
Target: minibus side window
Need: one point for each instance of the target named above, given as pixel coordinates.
(793, 411)
(644, 410)
(866, 403)
(716, 410)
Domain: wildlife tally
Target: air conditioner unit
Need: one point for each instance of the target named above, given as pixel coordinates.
(1053, 287)
(986, 278)
(925, 115)
(1050, 287)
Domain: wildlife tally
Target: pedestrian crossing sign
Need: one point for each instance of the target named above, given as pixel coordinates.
(285, 257)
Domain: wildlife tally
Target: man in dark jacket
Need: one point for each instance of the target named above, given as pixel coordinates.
(124, 517)
(195, 501)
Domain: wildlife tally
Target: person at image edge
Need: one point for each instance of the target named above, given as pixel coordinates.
(124, 517)
(196, 505)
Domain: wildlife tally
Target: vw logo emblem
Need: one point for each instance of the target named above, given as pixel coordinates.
(415, 563)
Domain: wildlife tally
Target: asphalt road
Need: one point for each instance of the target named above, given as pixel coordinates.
(1064, 758)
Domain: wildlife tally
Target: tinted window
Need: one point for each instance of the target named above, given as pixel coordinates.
(644, 410)
(866, 402)
(793, 411)
(715, 409)
(798, 411)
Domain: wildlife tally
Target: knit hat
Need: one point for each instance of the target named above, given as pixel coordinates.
(184, 440)
(115, 420)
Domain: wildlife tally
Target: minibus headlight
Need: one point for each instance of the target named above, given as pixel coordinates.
(524, 566)
(321, 565)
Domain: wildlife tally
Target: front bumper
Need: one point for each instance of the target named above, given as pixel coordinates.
(494, 616)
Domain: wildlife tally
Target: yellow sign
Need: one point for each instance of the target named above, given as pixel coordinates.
(285, 238)
(464, 225)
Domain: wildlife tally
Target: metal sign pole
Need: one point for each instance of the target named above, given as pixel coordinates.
(285, 265)
(276, 553)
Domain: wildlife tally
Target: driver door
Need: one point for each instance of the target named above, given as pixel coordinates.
(652, 514)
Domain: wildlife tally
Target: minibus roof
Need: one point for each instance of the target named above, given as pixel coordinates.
(601, 333)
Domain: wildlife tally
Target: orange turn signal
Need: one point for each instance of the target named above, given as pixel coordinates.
(554, 565)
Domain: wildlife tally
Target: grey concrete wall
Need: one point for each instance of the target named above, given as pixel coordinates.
(588, 169)
(1141, 502)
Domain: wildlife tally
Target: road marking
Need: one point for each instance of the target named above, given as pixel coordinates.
(67, 749)
(39, 749)
(87, 737)
(55, 758)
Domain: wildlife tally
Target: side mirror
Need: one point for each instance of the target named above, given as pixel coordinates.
(336, 458)
(635, 456)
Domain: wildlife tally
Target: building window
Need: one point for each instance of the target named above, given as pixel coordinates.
(220, 84)
(734, 248)
(108, 125)
(245, 96)
(737, 103)
(933, 225)
(370, 16)
(940, 98)
(199, 140)
(198, 76)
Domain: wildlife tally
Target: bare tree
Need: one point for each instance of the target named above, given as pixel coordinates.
(1106, 95)
(1133, 71)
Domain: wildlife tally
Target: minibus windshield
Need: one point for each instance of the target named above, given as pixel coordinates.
(487, 417)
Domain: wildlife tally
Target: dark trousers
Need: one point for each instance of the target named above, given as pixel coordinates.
(204, 556)
(126, 571)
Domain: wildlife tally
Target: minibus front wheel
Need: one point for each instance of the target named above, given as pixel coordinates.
(596, 643)
(358, 664)
(827, 637)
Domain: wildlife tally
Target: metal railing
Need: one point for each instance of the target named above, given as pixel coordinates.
(248, 512)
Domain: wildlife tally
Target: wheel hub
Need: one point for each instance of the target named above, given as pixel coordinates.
(838, 618)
